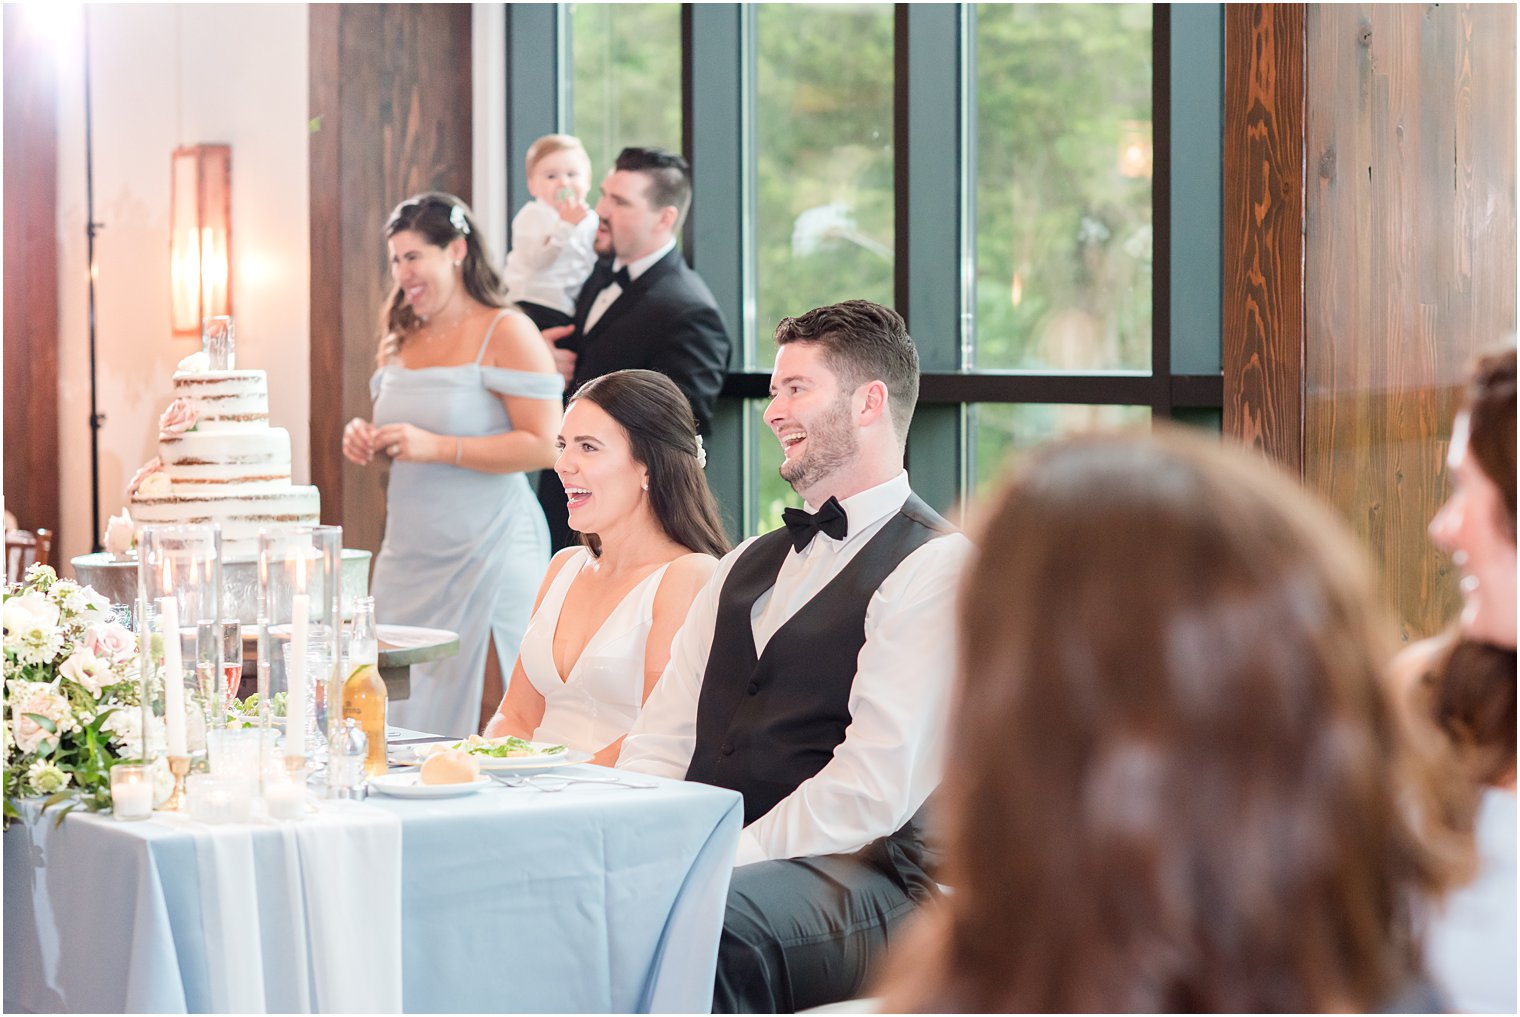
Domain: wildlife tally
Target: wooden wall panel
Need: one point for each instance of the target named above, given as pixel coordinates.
(391, 108)
(1409, 264)
(31, 275)
(1263, 228)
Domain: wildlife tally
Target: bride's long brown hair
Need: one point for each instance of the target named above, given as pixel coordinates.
(439, 219)
(1176, 783)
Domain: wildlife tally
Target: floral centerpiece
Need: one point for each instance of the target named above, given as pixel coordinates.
(71, 695)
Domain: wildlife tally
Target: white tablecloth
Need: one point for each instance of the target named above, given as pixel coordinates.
(594, 899)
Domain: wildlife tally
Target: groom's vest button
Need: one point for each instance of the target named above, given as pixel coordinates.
(754, 687)
(727, 749)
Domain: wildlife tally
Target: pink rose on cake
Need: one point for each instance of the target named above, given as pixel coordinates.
(177, 419)
(154, 466)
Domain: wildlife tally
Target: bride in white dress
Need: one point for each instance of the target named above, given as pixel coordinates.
(606, 612)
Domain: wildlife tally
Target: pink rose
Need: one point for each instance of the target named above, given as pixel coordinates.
(147, 469)
(119, 534)
(177, 419)
(110, 640)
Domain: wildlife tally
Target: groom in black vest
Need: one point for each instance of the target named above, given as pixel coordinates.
(813, 675)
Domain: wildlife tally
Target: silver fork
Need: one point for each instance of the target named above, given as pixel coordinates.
(559, 781)
(508, 780)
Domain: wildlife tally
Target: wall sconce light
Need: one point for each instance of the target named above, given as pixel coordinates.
(1136, 154)
(200, 232)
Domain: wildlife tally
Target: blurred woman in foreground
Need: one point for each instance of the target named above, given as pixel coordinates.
(1463, 683)
(1176, 782)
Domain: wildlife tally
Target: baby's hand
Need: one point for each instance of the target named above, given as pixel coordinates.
(572, 209)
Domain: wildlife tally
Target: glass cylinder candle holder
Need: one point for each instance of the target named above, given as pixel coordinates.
(300, 588)
(218, 338)
(179, 583)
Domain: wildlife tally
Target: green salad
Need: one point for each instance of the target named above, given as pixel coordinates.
(246, 711)
(502, 748)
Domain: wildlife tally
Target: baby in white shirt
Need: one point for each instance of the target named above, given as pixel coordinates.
(552, 235)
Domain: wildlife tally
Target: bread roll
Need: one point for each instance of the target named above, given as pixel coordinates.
(453, 766)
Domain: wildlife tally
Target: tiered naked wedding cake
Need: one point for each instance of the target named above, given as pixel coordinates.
(219, 461)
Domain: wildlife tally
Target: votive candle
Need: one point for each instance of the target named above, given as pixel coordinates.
(285, 799)
(131, 791)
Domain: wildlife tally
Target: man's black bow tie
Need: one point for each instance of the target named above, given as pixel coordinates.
(620, 278)
(804, 525)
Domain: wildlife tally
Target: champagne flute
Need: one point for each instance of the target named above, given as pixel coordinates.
(232, 658)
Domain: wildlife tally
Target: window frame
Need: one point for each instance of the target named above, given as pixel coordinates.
(934, 71)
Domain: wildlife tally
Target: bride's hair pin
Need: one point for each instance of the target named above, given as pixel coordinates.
(458, 221)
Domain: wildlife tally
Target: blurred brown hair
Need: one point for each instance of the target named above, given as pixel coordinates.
(1175, 782)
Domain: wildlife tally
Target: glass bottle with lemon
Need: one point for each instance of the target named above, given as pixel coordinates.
(364, 689)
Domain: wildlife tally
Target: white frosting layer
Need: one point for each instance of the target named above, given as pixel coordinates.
(240, 515)
(225, 400)
(213, 461)
(232, 469)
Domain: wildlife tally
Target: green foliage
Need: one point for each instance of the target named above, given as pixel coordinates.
(824, 222)
(626, 80)
(1060, 88)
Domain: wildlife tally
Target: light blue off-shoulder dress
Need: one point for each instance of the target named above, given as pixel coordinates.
(463, 550)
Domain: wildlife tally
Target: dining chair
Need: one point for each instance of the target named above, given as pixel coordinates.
(22, 548)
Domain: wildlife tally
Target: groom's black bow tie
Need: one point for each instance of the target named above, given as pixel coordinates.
(620, 278)
(804, 525)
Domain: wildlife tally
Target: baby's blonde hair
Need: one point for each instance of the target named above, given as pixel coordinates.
(551, 143)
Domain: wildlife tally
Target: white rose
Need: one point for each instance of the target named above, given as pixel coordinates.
(41, 699)
(155, 485)
(96, 608)
(88, 670)
(112, 640)
(195, 363)
(124, 727)
(120, 534)
(81, 604)
(31, 627)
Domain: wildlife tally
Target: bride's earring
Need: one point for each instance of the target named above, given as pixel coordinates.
(645, 485)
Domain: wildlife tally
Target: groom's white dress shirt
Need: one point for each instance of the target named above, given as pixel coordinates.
(892, 754)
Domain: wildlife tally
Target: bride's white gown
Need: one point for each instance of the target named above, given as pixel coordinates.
(597, 702)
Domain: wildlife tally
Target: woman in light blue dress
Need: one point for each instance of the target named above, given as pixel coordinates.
(466, 400)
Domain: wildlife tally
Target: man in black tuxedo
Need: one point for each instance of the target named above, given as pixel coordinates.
(642, 306)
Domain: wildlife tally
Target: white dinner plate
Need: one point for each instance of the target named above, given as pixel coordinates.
(409, 785)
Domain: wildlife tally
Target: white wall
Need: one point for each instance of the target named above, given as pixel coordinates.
(167, 75)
